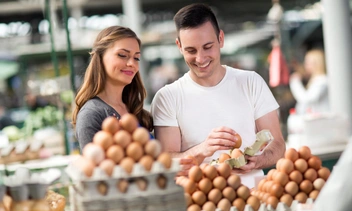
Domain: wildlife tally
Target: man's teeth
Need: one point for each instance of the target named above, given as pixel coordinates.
(204, 65)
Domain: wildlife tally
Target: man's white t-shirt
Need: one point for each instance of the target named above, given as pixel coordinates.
(236, 102)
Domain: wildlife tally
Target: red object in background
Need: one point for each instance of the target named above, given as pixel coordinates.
(278, 70)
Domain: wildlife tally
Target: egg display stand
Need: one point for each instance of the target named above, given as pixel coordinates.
(85, 196)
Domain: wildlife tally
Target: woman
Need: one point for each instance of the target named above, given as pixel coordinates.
(112, 84)
(314, 97)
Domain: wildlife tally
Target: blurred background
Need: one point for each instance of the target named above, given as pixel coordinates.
(44, 47)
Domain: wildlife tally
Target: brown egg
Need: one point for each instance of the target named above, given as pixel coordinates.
(122, 138)
(291, 188)
(199, 197)
(122, 185)
(108, 166)
(153, 148)
(301, 165)
(85, 165)
(205, 185)
(93, 152)
(236, 153)
(147, 162)
(286, 199)
(189, 186)
(261, 183)
(267, 185)
(129, 122)
(291, 154)
(142, 183)
(314, 162)
(188, 199)
(224, 170)
(311, 174)
(115, 153)
(224, 204)
(219, 182)
(194, 207)
(210, 172)
(134, 150)
(254, 202)
(103, 139)
(265, 197)
(229, 193)
(239, 203)
(281, 178)
(318, 184)
(161, 180)
(314, 194)
(272, 201)
(238, 142)
(276, 190)
(304, 152)
(324, 173)
(301, 197)
(209, 206)
(165, 159)
(110, 125)
(214, 195)
(234, 181)
(127, 164)
(296, 176)
(278, 163)
(223, 157)
(195, 174)
(286, 166)
(141, 135)
(243, 192)
(306, 186)
(102, 188)
(269, 176)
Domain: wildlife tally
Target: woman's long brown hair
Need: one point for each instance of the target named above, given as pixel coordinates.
(133, 94)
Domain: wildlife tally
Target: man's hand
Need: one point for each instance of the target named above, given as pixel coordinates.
(221, 138)
(250, 165)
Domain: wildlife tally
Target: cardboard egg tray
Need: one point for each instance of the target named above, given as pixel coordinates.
(295, 206)
(84, 194)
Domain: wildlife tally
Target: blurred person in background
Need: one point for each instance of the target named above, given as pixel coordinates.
(312, 98)
(201, 113)
(112, 84)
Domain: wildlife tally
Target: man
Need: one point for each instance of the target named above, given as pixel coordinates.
(200, 113)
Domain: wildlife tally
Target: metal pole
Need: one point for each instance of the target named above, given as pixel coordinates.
(53, 51)
(69, 50)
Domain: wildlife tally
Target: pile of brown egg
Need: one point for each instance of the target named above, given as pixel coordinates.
(298, 176)
(209, 187)
(121, 142)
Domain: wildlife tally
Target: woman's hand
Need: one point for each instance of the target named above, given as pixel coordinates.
(186, 164)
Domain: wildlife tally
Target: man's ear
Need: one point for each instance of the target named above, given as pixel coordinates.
(221, 38)
(178, 43)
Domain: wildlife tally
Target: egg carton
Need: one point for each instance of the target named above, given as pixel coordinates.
(86, 195)
(169, 200)
(295, 206)
(87, 186)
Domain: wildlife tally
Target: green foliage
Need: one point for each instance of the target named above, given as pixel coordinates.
(42, 117)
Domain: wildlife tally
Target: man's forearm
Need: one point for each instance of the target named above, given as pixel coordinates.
(272, 154)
